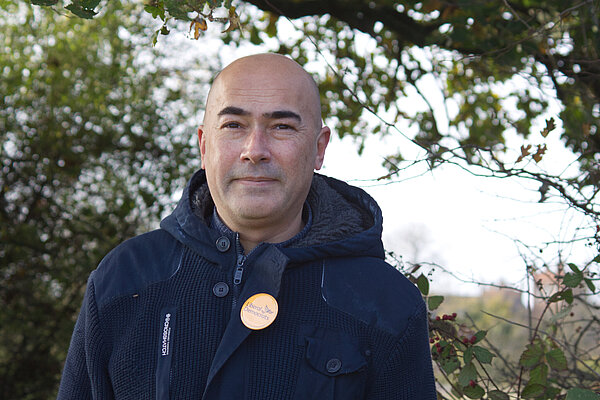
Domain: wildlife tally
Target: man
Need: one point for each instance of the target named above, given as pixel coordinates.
(266, 282)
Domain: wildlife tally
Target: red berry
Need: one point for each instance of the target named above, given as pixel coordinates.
(453, 315)
(437, 318)
(473, 339)
(431, 340)
(472, 383)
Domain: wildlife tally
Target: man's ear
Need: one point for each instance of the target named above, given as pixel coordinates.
(202, 144)
(322, 142)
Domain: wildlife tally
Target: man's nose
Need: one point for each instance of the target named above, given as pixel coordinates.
(256, 146)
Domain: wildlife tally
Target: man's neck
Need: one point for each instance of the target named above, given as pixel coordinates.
(252, 237)
(255, 232)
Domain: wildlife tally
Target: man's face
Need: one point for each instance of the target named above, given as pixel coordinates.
(261, 141)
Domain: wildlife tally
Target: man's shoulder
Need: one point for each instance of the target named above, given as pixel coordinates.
(372, 291)
(135, 264)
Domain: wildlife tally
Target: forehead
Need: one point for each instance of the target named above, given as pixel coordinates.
(262, 85)
(258, 93)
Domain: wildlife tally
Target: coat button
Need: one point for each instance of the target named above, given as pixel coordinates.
(333, 365)
(220, 289)
(223, 244)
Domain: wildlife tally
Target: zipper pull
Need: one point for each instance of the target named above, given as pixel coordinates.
(237, 277)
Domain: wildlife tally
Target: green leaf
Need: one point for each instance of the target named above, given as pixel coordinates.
(89, 4)
(155, 37)
(590, 285)
(475, 392)
(533, 390)
(44, 2)
(457, 393)
(556, 297)
(434, 302)
(483, 355)
(468, 355)
(596, 259)
(176, 10)
(467, 374)
(155, 11)
(450, 365)
(581, 394)
(81, 12)
(532, 355)
(572, 279)
(497, 395)
(539, 374)
(552, 392)
(568, 296)
(423, 284)
(479, 336)
(557, 360)
(574, 268)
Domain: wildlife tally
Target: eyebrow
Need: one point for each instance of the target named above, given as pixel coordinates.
(279, 114)
(233, 111)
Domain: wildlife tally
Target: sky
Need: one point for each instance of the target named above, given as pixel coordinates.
(469, 225)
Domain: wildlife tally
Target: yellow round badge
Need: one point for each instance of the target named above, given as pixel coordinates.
(259, 311)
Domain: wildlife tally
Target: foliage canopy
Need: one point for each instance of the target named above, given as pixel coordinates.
(485, 71)
(89, 158)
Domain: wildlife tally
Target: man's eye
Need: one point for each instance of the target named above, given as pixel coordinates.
(283, 126)
(231, 125)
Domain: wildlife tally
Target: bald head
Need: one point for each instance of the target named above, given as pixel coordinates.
(261, 141)
(268, 72)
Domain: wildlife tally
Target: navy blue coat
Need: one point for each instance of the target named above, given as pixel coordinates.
(161, 314)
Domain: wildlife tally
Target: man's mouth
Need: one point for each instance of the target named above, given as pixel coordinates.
(256, 179)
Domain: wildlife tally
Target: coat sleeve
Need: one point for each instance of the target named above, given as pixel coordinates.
(407, 374)
(84, 375)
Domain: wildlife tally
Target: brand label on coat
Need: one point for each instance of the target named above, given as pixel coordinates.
(163, 367)
(166, 335)
(259, 311)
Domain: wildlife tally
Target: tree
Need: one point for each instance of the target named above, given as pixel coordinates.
(486, 72)
(474, 46)
(90, 157)
(497, 65)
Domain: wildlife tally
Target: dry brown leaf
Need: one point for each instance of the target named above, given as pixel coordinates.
(524, 152)
(198, 24)
(234, 21)
(550, 126)
(539, 154)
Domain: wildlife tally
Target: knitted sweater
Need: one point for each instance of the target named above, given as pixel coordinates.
(161, 313)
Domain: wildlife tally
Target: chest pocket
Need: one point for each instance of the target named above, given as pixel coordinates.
(333, 367)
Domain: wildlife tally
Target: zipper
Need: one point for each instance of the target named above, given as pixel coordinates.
(238, 272)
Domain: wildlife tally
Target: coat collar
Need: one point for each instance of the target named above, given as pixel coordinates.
(346, 222)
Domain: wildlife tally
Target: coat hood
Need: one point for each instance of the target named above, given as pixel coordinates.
(346, 222)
